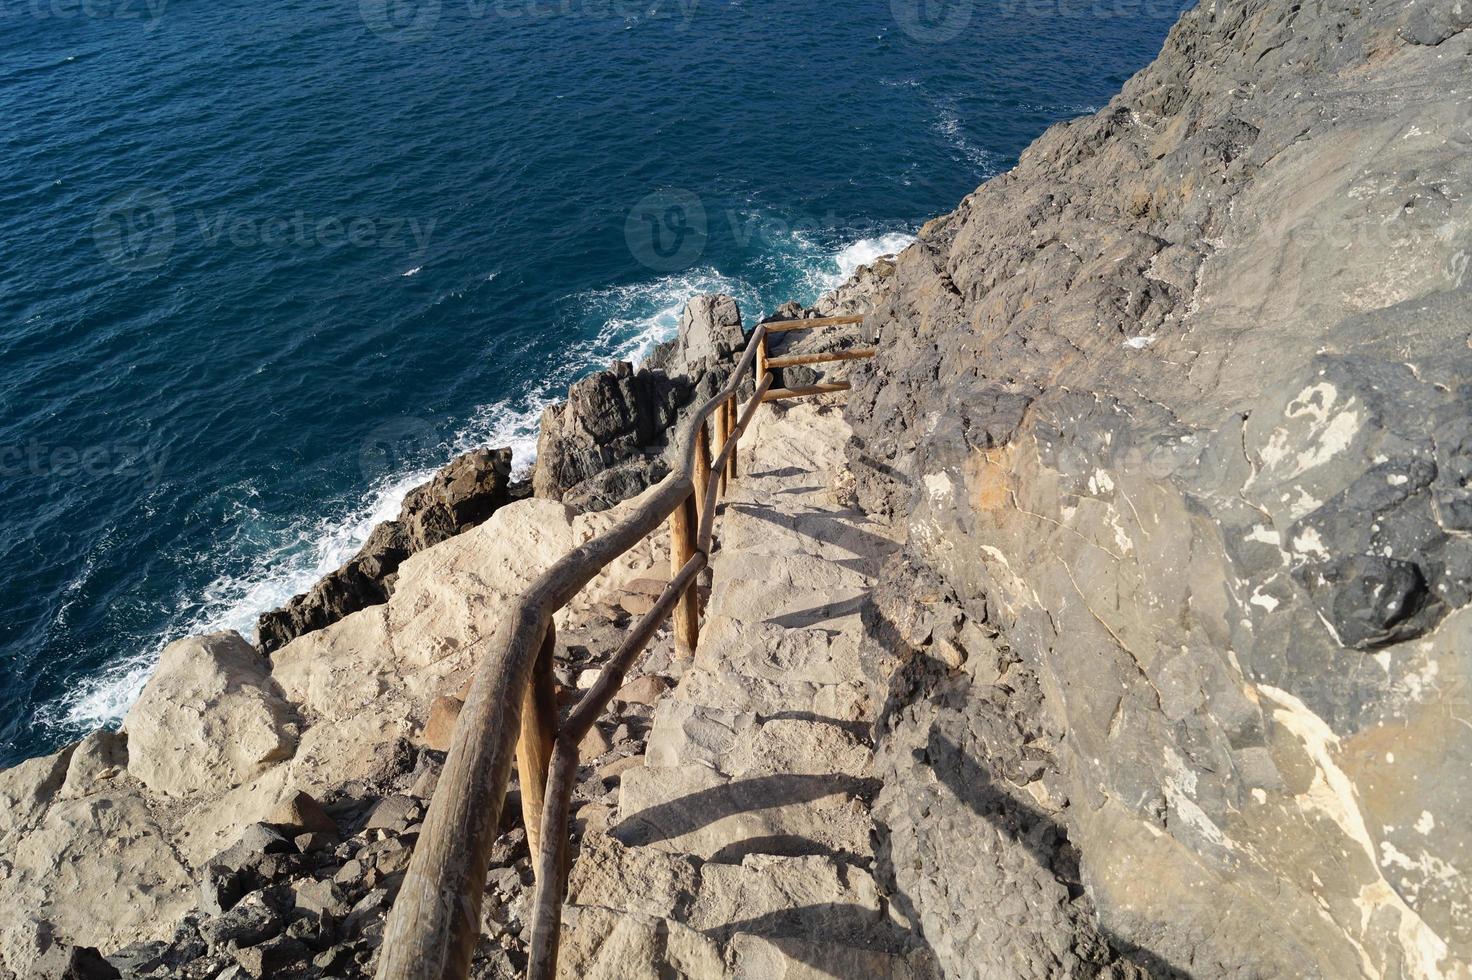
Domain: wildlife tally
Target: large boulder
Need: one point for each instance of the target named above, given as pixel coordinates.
(710, 332)
(1178, 410)
(208, 719)
(606, 442)
(460, 496)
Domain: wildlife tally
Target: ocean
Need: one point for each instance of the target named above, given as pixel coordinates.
(267, 267)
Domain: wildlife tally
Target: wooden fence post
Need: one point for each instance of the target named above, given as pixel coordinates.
(534, 745)
(684, 528)
(731, 469)
(701, 475)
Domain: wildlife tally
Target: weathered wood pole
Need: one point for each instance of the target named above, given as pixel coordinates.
(534, 745)
(723, 414)
(700, 474)
(718, 440)
(731, 413)
(684, 528)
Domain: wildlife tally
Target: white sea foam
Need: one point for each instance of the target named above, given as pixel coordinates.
(948, 124)
(290, 560)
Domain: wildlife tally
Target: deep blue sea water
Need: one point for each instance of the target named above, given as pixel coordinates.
(265, 266)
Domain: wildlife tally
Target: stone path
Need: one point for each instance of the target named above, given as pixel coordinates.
(744, 845)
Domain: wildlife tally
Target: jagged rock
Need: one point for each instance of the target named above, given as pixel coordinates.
(394, 813)
(643, 690)
(862, 292)
(460, 496)
(607, 442)
(322, 896)
(255, 842)
(315, 841)
(62, 962)
(444, 711)
(604, 443)
(208, 719)
(221, 887)
(96, 761)
(271, 957)
(612, 772)
(301, 812)
(594, 744)
(710, 333)
(251, 921)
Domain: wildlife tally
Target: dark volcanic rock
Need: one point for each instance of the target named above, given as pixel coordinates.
(604, 443)
(62, 962)
(1179, 409)
(608, 441)
(457, 498)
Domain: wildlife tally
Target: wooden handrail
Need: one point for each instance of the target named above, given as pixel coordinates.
(551, 861)
(793, 360)
(435, 922)
(803, 391)
(812, 323)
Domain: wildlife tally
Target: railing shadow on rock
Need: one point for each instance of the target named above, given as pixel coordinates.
(511, 708)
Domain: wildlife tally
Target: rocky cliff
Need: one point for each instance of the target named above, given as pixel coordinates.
(1176, 418)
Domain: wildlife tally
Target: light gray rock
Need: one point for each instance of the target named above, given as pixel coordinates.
(208, 719)
(710, 332)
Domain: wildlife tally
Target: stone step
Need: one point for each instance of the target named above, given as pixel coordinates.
(790, 591)
(693, 809)
(823, 532)
(815, 655)
(771, 915)
(743, 743)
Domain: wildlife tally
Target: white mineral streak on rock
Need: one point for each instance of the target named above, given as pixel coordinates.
(1332, 793)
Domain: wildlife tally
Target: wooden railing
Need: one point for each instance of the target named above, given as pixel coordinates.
(511, 706)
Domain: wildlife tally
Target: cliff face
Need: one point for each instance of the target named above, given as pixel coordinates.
(1177, 417)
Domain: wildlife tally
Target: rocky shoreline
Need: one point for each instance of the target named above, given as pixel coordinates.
(261, 801)
(607, 442)
(1165, 573)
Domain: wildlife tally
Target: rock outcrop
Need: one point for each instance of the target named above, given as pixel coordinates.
(606, 442)
(610, 439)
(209, 720)
(460, 496)
(1176, 417)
